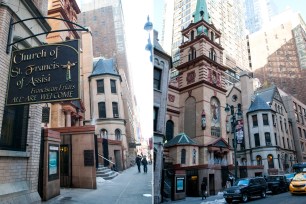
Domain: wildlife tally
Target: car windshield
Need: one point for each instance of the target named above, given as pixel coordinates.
(272, 178)
(300, 177)
(242, 182)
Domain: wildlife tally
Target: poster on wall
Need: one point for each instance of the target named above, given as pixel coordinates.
(53, 163)
(180, 184)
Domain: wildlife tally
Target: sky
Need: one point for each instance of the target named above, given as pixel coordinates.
(296, 5)
(139, 59)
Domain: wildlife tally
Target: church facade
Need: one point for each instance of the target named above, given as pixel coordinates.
(195, 109)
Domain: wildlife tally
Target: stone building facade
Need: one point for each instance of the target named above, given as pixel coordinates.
(106, 108)
(20, 137)
(69, 113)
(195, 106)
(297, 115)
(162, 65)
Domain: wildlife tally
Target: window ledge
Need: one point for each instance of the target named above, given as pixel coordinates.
(8, 153)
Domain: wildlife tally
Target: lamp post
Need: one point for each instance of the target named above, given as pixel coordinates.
(236, 117)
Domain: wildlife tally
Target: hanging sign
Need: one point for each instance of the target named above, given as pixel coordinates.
(48, 73)
(239, 135)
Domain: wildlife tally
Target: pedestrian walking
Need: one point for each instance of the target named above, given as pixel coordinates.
(203, 189)
(145, 164)
(138, 162)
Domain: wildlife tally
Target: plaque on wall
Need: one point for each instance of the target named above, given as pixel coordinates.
(88, 158)
(45, 115)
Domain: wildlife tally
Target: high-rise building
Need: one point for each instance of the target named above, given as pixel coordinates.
(282, 59)
(226, 15)
(258, 13)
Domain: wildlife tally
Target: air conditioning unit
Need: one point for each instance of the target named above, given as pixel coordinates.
(116, 116)
(269, 144)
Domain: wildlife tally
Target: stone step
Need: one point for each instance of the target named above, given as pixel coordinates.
(106, 173)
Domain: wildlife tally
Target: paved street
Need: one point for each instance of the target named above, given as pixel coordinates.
(129, 187)
(283, 198)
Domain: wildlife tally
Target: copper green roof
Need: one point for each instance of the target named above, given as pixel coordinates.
(180, 139)
(201, 12)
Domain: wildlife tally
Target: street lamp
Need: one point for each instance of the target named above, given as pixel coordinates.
(149, 27)
(236, 118)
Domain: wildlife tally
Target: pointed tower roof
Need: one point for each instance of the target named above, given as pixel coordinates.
(201, 12)
(180, 139)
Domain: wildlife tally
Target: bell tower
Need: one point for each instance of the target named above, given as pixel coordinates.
(201, 80)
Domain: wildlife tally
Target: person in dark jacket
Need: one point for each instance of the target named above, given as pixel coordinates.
(145, 164)
(203, 189)
(138, 162)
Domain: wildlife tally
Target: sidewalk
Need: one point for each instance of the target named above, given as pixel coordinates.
(129, 187)
(215, 199)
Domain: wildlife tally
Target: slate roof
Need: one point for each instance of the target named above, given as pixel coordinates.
(104, 66)
(267, 94)
(180, 139)
(259, 104)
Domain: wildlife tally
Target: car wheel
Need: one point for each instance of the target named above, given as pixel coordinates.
(245, 198)
(263, 194)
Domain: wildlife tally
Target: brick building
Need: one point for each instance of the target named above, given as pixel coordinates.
(282, 59)
(20, 137)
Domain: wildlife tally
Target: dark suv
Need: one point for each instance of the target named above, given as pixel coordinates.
(245, 188)
(277, 183)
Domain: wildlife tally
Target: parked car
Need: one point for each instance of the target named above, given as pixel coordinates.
(277, 183)
(289, 177)
(298, 184)
(245, 188)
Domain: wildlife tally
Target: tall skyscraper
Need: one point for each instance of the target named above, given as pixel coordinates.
(258, 13)
(225, 15)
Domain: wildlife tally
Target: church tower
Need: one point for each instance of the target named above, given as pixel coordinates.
(196, 102)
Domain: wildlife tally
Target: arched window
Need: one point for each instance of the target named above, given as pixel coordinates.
(212, 54)
(192, 35)
(194, 156)
(192, 54)
(104, 133)
(118, 134)
(169, 130)
(183, 156)
(259, 160)
(212, 36)
(244, 161)
(270, 161)
(190, 117)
